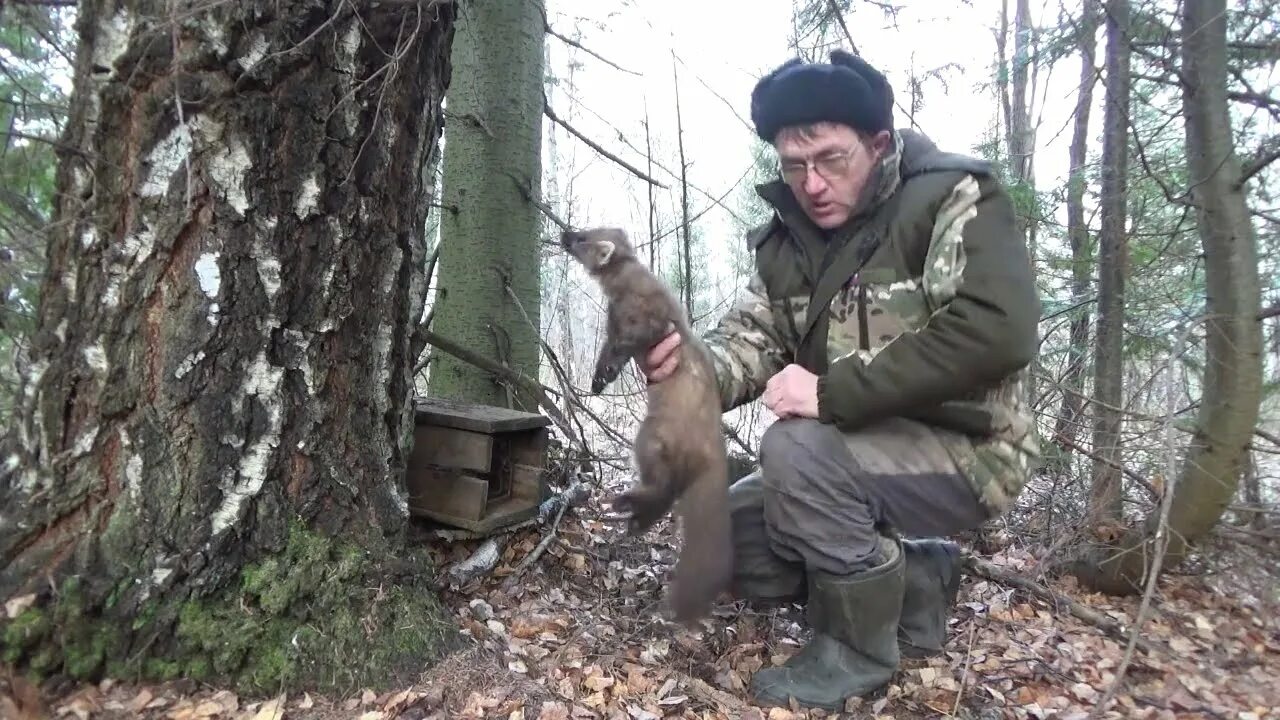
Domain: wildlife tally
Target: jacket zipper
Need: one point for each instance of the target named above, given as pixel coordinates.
(863, 340)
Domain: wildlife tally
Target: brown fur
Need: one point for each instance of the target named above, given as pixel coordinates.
(679, 448)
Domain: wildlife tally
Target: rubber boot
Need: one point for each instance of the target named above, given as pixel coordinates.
(759, 573)
(854, 650)
(932, 569)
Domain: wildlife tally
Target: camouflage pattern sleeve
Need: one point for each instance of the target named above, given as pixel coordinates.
(746, 347)
(982, 324)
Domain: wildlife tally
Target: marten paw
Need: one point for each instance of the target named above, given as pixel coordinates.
(644, 509)
(603, 376)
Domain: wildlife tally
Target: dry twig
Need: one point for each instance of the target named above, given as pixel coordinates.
(1112, 627)
(551, 115)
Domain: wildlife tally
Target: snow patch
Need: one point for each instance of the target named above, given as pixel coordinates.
(69, 282)
(11, 463)
(61, 330)
(212, 317)
(208, 273)
(306, 205)
(165, 159)
(88, 238)
(263, 381)
(159, 575)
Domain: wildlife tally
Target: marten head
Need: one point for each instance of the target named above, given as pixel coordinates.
(598, 248)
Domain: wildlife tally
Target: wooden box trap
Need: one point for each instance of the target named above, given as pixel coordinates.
(475, 466)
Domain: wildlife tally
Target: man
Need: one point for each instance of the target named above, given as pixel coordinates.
(888, 325)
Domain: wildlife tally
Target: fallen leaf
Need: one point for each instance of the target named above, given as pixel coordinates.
(272, 709)
(13, 607)
(141, 700)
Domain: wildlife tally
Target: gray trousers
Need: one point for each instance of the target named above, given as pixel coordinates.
(821, 498)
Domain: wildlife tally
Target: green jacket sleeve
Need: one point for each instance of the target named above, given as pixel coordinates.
(984, 324)
(746, 347)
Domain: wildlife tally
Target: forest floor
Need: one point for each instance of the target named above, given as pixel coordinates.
(575, 635)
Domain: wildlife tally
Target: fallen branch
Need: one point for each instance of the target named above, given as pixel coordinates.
(481, 562)
(486, 556)
(541, 547)
(1112, 627)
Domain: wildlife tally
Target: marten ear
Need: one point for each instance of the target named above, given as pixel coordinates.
(605, 249)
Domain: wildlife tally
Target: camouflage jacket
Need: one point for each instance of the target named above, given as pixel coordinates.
(927, 309)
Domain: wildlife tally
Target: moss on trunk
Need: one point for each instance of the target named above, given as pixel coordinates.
(322, 614)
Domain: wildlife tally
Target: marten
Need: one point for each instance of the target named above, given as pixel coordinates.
(679, 449)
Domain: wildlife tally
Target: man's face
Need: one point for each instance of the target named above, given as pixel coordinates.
(827, 167)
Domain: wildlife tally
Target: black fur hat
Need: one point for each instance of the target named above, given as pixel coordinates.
(847, 90)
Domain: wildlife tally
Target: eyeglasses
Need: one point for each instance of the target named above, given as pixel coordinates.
(829, 165)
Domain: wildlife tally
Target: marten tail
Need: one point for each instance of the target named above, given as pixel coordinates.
(706, 559)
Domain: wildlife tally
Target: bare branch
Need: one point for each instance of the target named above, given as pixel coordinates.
(533, 387)
(551, 114)
(592, 53)
(523, 185)
(1265, 156)
(835, 12)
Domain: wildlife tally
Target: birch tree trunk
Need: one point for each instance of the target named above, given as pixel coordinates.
(491, 233)
(1113, 251)
(1216, 455)
(206, 481)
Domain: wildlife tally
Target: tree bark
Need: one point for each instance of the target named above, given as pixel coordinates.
(206, 480)
(1216, 455)
(1105, 494)
(492, 241)
(1067, 426)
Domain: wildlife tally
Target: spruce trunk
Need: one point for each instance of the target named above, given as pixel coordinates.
(489, 296)
(207, 478)
(1106, 494)
(1217, 453)
(1067, 426)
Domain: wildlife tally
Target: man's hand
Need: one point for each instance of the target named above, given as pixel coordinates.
(662, 358)
(792, 392)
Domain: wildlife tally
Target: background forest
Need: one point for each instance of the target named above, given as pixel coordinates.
(236, 236)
